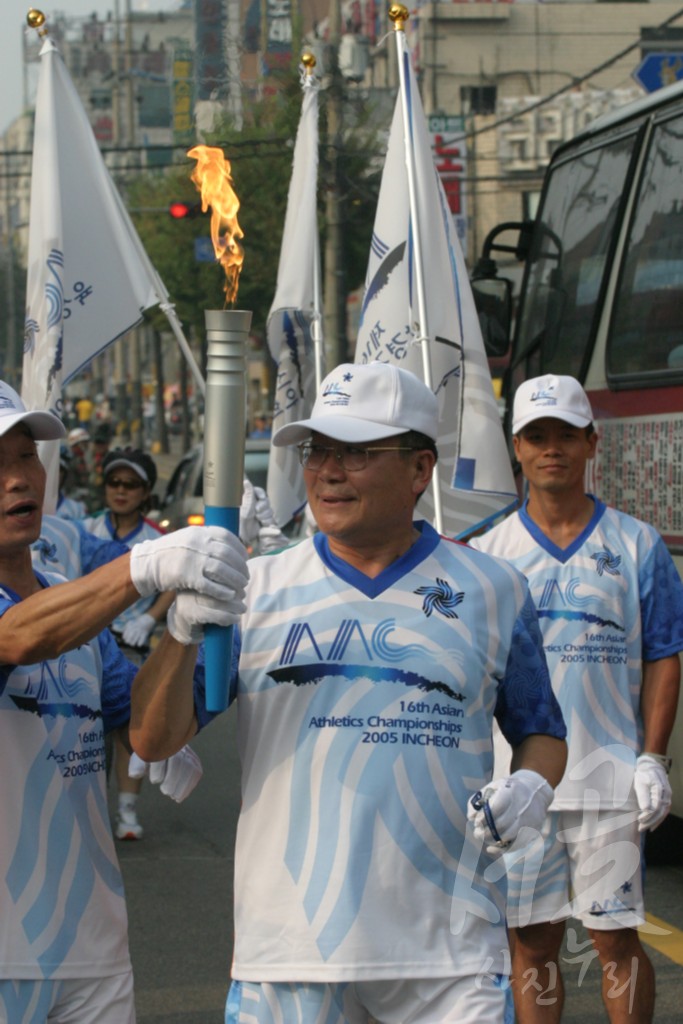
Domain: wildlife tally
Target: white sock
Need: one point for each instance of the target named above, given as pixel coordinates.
(127, 801)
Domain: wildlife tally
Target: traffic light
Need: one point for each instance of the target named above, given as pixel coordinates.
(180, 210)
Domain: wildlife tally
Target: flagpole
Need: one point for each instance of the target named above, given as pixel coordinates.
(308, 60)
(398, 14)
(168, 309)
(317, 319)
(294, 325)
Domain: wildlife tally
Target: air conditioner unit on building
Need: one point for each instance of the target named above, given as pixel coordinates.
(353, 57)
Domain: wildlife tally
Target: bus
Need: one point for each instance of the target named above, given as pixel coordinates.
(601, 298)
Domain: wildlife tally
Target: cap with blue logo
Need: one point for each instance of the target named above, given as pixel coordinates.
(366, 402)
(44, 426)
(553, 397)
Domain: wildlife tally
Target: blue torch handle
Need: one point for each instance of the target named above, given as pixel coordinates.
(218, 639)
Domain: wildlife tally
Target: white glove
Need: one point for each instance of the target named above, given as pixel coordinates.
(136, 632)
(270, 536)
(507, 805)
(208, 559)
(248, 522)
(190, 612)
(177, 775)
(263, 508)
(653, 792)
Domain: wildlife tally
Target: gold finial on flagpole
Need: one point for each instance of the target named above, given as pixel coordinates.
(309, 62)
(36, 19)
(399, 14)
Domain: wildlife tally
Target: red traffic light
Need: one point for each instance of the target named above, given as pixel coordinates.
(179, 210)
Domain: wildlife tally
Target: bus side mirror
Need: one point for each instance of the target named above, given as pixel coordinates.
(493, 301)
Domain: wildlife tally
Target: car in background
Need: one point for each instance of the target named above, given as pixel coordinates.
(183, 502)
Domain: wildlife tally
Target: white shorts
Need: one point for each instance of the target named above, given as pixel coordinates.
(584, 864)
(70, 1001)
(467, 1000)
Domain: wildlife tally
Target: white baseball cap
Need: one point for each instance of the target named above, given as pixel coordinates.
(44, 426)
(555, 397)
(366, 402)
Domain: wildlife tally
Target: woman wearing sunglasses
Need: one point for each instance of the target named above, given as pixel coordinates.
(129, 477)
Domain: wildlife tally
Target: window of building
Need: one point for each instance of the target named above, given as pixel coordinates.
(478, 99)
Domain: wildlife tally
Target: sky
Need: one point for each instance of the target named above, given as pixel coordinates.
(14, 26)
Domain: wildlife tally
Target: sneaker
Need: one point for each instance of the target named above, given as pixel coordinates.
(127, 825)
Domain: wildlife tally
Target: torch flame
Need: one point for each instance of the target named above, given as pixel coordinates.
(214, 182)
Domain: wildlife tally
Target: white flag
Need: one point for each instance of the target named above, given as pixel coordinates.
(89, 278)
(475, 477)
(294, 318)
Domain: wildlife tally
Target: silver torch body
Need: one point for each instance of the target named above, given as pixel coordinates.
(225, 412)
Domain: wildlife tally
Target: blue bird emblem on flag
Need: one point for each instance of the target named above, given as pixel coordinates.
(440, 598)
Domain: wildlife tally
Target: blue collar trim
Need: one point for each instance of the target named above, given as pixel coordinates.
(423, 546)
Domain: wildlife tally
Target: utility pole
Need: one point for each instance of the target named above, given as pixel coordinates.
(161, 429)
(334, 319)
(136, 434)
(11, 363)
(116, 87)
(128, 74)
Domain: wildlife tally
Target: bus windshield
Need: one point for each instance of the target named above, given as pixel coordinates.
(648, 301)
(566, 268)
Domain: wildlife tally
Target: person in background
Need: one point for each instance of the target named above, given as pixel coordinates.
(129, 478)
(149, 415)
(610, 603)
(84, 410)
(64, 683)
(373, 658)
(67, 507)
(78, 441)
(101, 440)
(261, 427)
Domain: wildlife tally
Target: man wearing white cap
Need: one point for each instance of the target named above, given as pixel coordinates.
(610, 605)
(63, 683)
(373, 658)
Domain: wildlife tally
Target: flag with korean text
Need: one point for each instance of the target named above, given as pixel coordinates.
(475, 478)
(294, 318)
(89, 278)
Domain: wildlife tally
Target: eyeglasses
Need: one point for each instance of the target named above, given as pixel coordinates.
(350, 458)
(128, 485)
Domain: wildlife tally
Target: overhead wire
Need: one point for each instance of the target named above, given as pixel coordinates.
(578, 80)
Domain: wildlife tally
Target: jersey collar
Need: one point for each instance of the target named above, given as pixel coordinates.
(562, 554)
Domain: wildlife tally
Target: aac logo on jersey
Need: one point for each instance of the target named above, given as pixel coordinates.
(560, 600)
(305, 660)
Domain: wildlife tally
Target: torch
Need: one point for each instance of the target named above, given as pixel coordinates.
(225, 414)
(225, 410)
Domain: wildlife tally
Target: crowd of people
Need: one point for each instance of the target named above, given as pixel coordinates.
(428, 791)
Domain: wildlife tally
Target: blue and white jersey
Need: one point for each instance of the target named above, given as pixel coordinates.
(102, 526)
(69, 549)
(365, 709)
(62, 908)
(608, 602)
(70, 508)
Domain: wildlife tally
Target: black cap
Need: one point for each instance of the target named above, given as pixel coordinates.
(140, 462)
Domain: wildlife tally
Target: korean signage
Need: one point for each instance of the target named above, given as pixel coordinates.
(450, 158)
(209, 31)
(182, 96)
(638, 468)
